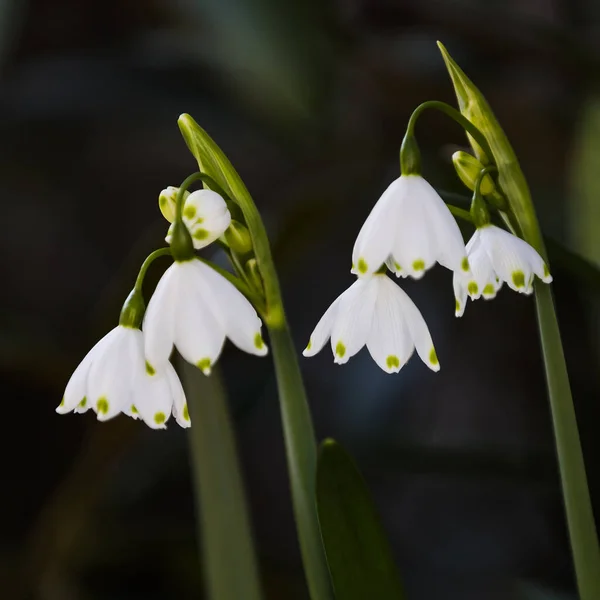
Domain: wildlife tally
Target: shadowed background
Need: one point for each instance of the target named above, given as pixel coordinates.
(309, 100)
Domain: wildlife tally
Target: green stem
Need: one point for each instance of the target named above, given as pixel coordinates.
(578, 508)
(302, 456)
(456, 116)
(231, 571)
(139, 282)
(461, 213)
(295, 413)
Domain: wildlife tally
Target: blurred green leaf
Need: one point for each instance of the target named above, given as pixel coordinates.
(359, 556)
(223, 521)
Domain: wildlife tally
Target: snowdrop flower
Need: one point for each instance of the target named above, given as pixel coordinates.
(114, 377)
(409, 229)
(376, 312)
(497, 256)
(195, 308)
(205, 215)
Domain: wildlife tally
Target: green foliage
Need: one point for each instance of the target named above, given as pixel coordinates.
(358, 553)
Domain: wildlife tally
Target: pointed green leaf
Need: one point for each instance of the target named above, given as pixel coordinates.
(358, 553)
(474, 106)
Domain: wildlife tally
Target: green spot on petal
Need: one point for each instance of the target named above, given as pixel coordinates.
(465, 264)
(518, 278)
(488, 290)
(134, 410)
(546, 270)
(186, 412)
(397, 266)
(102, 405)
(362, 266)
(309, 345)
(258, 341)
(392, 361)
(83, 402)
(201, 234)
(62, 402)
(160, 418)
(433, 359)
(189, 211)
(340, 349)
(456, 305)
(150, 369)
(204, 365)
(473, 287)
(419, 265)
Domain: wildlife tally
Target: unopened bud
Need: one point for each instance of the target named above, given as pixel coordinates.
(254, 274)
(237, 237)
(468, 168)
(167, 202)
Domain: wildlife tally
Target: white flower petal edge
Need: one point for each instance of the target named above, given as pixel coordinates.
(206, 216)
(374, 312)
(496, 257)
(410, 228)
(195, 310)
(114, 377)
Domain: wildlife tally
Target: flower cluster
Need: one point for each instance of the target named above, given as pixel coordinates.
(409, 230)
(193, 308)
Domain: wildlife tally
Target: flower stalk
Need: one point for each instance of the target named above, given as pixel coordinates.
(299, 436)
(578, 508)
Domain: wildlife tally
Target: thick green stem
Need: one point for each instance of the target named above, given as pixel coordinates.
(454, 114)
(230, 566)
(301, 453)
(578, 508)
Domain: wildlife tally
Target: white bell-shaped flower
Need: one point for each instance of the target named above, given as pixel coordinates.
(496, 257)
(195, 309)
(114, 377)
(205, 214)
(409, 229)
(376, 312)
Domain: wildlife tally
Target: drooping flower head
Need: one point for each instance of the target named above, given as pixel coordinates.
(410, 229)
(195, 308)
(114, 378)
(376, 312)
(205, 215)
(496, 257)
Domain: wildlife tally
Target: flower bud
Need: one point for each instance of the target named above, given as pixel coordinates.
(254, 274)
(237, 237)
(167, 202)
(468, 169)
(206, 217)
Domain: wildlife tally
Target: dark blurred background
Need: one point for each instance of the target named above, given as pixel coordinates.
(309, 100)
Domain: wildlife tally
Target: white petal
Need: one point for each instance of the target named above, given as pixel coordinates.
(444, 231)
(232, 309)
(153, 398)
(509, 257)
(159, 321)
(352, 325)
(113, 374)
(322, 332)
(74, 397)
(415, 247)
(180, 407)
(199, 336)
(376, 237)
(419, 331)
(389, 343)
(206, 215)
(460, 294)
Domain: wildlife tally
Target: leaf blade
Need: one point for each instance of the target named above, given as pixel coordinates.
(360, 560)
